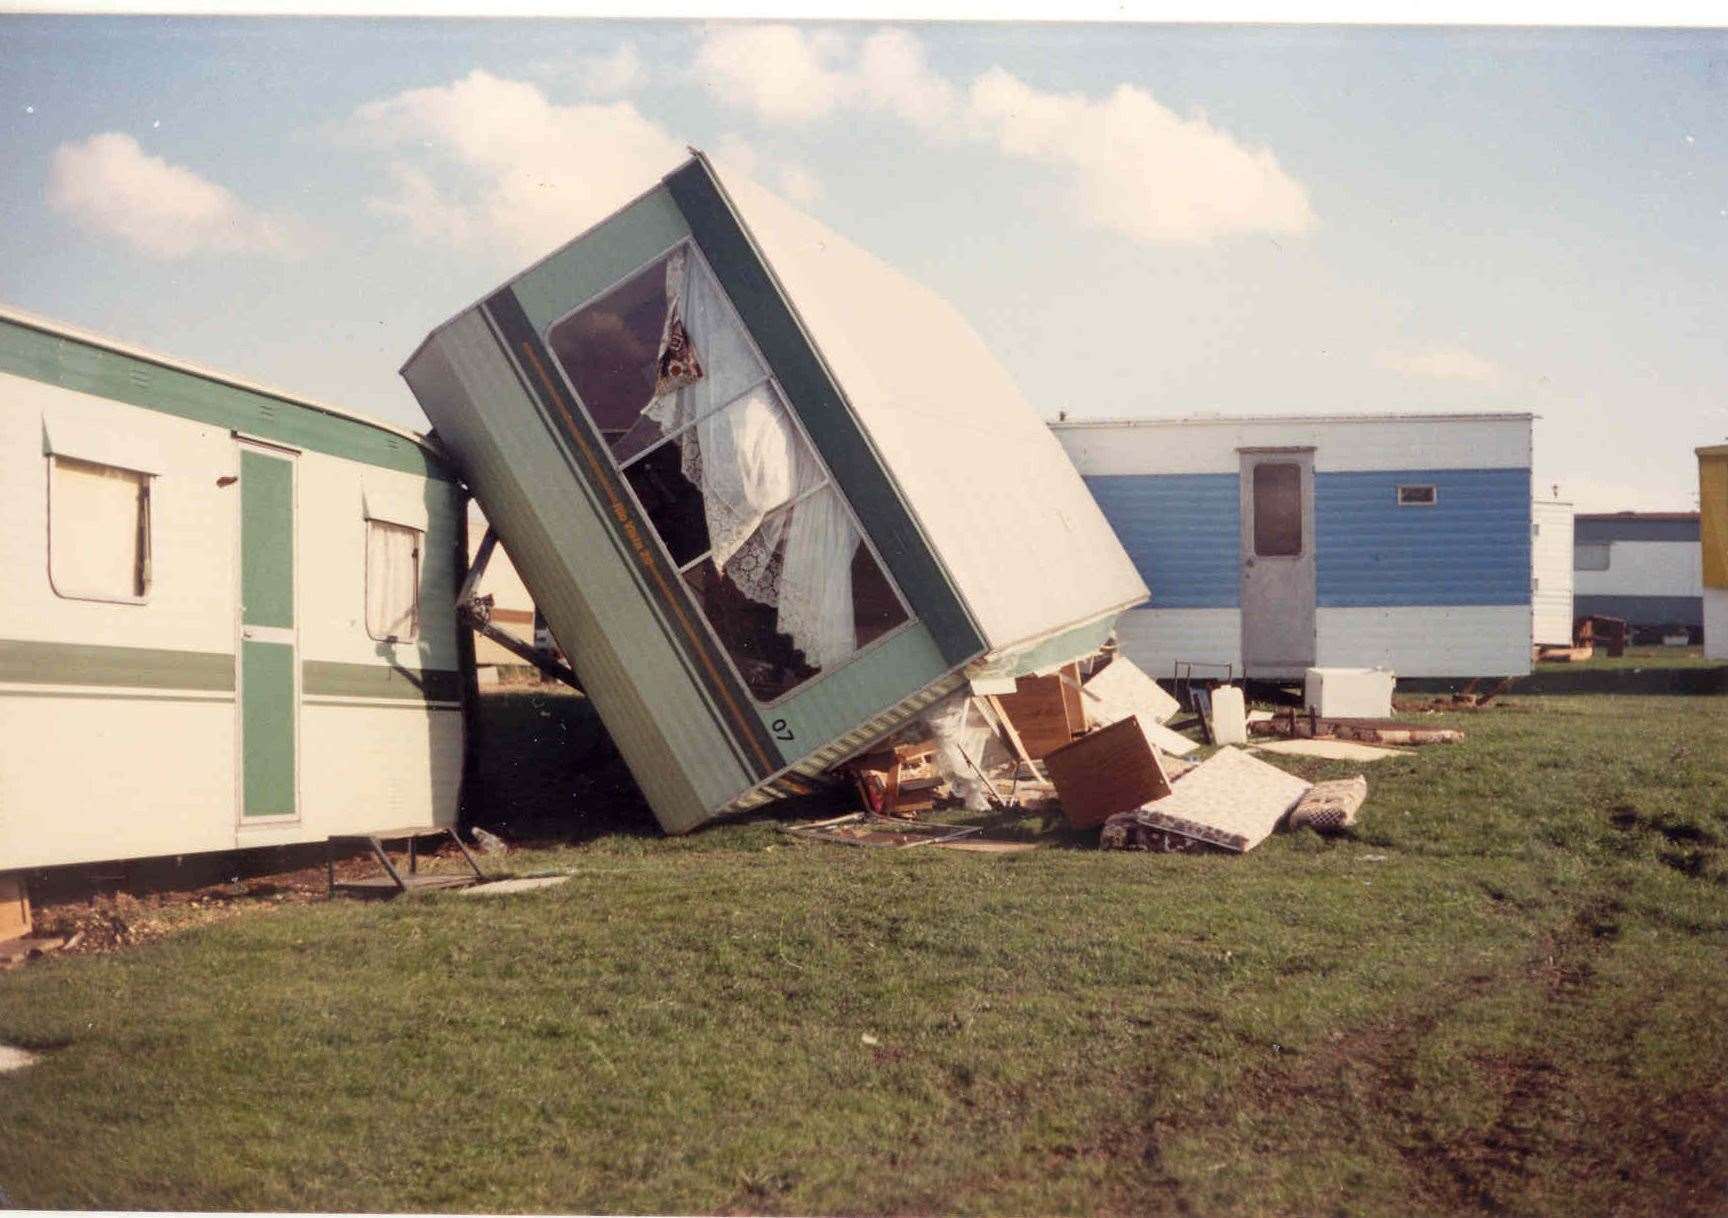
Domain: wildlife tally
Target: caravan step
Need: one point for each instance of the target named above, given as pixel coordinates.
(394, 882)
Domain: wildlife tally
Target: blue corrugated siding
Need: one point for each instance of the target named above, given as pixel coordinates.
(1471, 548)
(1181, 530)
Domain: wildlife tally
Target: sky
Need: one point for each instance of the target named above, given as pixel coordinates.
(1142, 220)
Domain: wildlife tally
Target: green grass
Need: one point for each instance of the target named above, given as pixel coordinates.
(1502, 994)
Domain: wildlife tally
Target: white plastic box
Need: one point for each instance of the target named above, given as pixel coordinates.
(1349, 693)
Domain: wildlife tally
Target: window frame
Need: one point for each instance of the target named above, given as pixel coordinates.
(694, 251)
(1432, 488)
(1607, 549)
(366, 583)
(146, 524)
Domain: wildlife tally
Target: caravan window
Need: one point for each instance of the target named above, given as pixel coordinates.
(659, 350)
(392, 582)
(98, 531)
(1590, 556)
(1277, 509)
(766, 545)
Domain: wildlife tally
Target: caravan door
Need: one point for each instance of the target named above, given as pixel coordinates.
(269, 644)
(1277, 548)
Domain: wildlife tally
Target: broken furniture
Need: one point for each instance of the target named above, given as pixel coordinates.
(898, 782)
(754, 478)
(1611, 633)
(1348, 693)
(395, 882)
(1046, 712)
(1110, 770)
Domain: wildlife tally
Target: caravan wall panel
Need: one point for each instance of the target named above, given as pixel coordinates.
(120, 718)
(1171, 490)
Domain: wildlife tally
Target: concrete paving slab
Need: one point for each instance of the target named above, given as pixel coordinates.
(527, 883)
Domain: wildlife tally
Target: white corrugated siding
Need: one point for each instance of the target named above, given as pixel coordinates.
(1551, 573)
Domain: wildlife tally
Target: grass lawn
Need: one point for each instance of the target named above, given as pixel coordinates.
(1504, 993)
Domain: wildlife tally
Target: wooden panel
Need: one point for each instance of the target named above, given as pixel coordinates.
(1113, 770)
(14, 908)
(1045, 713)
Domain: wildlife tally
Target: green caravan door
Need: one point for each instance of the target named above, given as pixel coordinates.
(269, 651)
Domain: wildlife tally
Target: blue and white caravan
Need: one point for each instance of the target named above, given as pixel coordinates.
(1278, 543)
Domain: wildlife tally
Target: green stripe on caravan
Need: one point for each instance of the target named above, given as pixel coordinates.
(34, 663)
(27, 662)
(328, 679)
(71, 363)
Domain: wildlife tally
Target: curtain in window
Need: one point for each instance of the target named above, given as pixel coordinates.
(392, 581)
(748, 460)
(99, 545)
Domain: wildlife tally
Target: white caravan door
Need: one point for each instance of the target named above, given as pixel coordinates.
(1278, 584)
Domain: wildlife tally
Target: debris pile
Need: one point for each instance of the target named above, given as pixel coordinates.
(1091, 745)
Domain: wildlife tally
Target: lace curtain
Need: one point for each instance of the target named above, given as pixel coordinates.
(748, 461)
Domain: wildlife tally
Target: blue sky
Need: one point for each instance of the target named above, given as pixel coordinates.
(1143, 220)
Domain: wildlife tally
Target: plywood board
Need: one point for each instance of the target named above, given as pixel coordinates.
(1122, 689)
(1174, 743)
(1112, 770)
(1232, 799)
(14, 908)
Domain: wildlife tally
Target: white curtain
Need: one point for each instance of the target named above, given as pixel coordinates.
(748, 460)
(99, 543)
(392, 581)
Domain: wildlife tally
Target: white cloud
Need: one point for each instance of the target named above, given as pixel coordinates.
(493, 161)
(778, 72)
(1441, 362)
(892, 75)
(1128, 163)
(110, 185)
(1137, 168)
(612, 75)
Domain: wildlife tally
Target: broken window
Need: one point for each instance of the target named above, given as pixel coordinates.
(766, 545)
(98, 531)
(637, 347)
(1418, 496)
(1277, 509)
(392, 582)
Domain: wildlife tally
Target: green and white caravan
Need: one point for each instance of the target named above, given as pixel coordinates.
(231, 617)
(774, 498)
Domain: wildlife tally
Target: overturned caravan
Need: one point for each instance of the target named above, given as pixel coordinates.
(774, 498)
